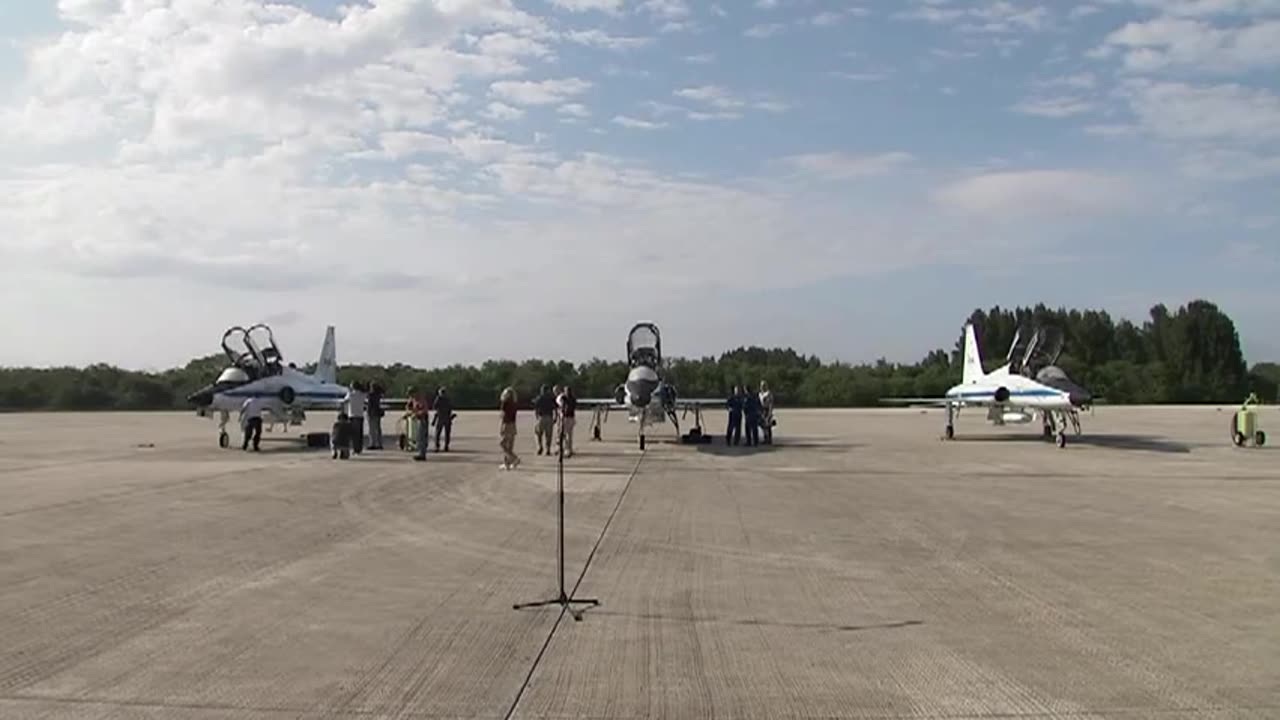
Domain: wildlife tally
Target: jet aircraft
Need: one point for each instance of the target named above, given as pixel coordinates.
(258, 371)
(1009, 394)
(647, 398)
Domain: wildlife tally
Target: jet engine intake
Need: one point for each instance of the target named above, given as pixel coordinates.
(1002, 394)
(620, 394)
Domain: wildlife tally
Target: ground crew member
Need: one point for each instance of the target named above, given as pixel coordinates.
(733, 435)
(422, 421)
(568, 408)
(356, 402)
(507, 429)
(444, 417)
(766, 411)
(375, 412)
(251, 421)
(751, 413)
(544, 408)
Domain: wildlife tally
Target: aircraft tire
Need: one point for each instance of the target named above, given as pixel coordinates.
(642, 442)
(223, 440)
(287, 395)
(951, 432)
(595, 433)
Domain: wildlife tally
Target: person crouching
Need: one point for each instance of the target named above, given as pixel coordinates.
(341, 437)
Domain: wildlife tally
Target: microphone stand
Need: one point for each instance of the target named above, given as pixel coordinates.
(563, 599)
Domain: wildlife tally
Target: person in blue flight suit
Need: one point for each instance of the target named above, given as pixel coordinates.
(733, 436)
(751, 415)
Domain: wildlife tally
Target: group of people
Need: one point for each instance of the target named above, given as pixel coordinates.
(555, 410)
(757, 412)
(361, 406)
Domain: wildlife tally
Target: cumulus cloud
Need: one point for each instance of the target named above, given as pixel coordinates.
(538, 92)
(1195, 45)
(1011, 194)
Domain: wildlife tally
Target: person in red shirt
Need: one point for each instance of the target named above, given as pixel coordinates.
(507, 430)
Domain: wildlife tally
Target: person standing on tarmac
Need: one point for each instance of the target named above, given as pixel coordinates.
(422, 421)
(568, 408)
(733, 435)
(356, 403)
(544, 408)
(766, 411)
(751, 414)
(507, 430)
(444, 417)
(374, 412)
(251, 421)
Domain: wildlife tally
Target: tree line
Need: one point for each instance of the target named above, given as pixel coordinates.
(1191, 355)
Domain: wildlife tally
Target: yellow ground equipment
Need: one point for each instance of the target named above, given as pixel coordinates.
(1244, 424)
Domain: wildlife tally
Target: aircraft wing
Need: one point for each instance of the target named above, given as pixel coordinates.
(593, 403)
(937, 402)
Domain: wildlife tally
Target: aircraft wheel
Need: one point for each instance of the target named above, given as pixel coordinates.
(595, 433)
(951, 432)
(223, 440)
(641, 442)
(1239, 439)
(1259, 438)
(1062, 438)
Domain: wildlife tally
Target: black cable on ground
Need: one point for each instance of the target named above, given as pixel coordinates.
(564, 609)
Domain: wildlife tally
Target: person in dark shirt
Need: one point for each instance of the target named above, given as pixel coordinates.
(544, 408)
(568, 409)
(444, 417)
(507, 430)
(733, 435)
(751, 415)
(374, 412)
(340, 437)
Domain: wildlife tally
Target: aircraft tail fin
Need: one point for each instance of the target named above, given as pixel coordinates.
(327, 367)
(972, 360)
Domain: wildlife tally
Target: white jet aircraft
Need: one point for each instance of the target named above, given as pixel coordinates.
(645, 396)
(258, 371)
(1010, 397)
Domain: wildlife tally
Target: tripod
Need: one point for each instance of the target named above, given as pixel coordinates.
(564, 600)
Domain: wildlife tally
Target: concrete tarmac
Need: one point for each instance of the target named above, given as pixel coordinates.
(860, 568)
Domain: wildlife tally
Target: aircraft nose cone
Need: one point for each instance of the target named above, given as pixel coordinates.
(203, 396)
(641, 392)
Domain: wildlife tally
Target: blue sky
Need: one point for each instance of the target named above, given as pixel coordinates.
(451, 181)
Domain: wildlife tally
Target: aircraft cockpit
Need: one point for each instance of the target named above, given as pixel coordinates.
(260, 340)
(644, 346)
(1042, 350)
(260, 356)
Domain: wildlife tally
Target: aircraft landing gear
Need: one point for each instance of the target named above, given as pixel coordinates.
(1062, 438)
(223, 440)
(595, 432)
(642, 442)
(950, 432)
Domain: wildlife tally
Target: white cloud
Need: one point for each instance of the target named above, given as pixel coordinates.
(502, 111)
(608, 6)
(764, 30)
(574, 110)
(991, 17)
(539, 92)
(1004, 195)
(1205, 8)
(700, 58)
(601, 39)
(1194, 45)
(1228, 112)
(1054, 107)
(637, 123)
(843, 166)
(714, 95)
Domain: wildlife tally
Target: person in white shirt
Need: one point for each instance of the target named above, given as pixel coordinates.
(766, 412)
(355, 406)
(251, 421)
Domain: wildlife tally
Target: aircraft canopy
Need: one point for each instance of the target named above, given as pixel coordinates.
(644, 345)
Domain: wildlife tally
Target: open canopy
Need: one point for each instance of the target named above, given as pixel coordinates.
(253, 351)
(644, 345)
